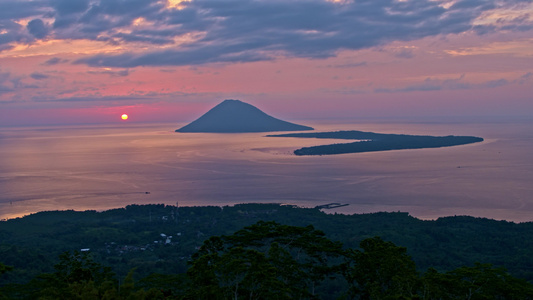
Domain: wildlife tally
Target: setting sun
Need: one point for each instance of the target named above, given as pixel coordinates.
(124, 116)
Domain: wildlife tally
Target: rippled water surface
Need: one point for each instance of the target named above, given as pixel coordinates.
(101, 167)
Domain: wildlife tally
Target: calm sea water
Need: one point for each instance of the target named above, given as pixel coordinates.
(102, 167)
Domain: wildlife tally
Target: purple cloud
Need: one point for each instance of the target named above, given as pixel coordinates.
(453, 84)
(54, 61)
(38, 76)
(245, 30)
(37, 28)
(121, 73)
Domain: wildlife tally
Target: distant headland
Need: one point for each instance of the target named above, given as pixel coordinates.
(235, 116)
(370, 142)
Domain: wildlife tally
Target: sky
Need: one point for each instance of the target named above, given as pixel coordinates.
(90, 61)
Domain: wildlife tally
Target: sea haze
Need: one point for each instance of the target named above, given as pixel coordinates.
(102, 167)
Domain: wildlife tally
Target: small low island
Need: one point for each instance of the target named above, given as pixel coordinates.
(370, 142)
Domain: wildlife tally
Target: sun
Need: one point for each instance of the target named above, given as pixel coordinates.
(124, 116)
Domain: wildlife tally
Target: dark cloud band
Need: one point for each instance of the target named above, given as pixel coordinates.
(214, 31)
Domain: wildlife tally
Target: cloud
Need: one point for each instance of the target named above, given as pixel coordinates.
(525, 78)
(145, 38)
(343, 91)
(11, 12)
(99, 98)
(430, 84)
(10, 82)
(54, 61)
(38, 76)
(167, 70)
(5, 47)
(10, 32)
(210, 31)
(348, 65)
(121, 73)
(245, 31)
(66, 7)
(21, 9)
(5, 89)
(90, 98)
(404, 53)
(207, 54)
(37, 28)
(6, 82)
(4, 76)
(496, 83)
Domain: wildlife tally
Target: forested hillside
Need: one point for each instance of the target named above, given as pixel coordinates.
(161, 243)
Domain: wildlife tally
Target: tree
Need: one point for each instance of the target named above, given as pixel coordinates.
(77, 275)
(80, 266)
(4, 269)
(381, 270)
(170, 285)
(482, 281)
(264, 260)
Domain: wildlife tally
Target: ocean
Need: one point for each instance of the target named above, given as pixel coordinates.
(98, 167)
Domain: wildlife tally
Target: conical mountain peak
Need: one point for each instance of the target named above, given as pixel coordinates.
(233, 116)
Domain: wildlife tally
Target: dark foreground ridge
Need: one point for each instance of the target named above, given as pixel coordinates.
(234, 116)
(278, 251)
(370, 142)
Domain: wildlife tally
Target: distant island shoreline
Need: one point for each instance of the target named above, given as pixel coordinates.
(373, 142)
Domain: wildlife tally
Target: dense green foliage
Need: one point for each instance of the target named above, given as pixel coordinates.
(265, 260)
(376, 142)
(433, 259)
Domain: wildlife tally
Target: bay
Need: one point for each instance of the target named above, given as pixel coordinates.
(100, 167)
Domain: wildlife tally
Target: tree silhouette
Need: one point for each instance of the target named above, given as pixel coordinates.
(263, 260)
(381, 270)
